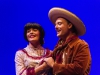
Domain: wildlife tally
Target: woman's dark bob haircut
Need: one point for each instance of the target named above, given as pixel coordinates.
(34, 26)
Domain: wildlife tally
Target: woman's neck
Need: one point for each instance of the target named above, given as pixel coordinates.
(36, 48)
(34, 45)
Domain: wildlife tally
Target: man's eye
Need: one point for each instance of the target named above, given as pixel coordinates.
(59, 23)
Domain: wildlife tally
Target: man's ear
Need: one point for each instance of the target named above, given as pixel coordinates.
(70, 25)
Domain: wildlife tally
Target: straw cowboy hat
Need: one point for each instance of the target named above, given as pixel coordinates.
(57, 12)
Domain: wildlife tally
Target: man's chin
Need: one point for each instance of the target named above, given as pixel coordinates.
(58, 35)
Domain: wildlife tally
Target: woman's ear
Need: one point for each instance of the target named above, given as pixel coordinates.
(70, 25)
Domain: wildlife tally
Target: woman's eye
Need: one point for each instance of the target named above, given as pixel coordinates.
(28, 31)
(35, 30)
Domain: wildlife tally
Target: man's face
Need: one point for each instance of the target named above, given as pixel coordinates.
(62, 27)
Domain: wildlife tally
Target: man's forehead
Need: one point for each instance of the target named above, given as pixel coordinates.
(60, 20)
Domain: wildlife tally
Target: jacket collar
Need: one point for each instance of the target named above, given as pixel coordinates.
(73, 42)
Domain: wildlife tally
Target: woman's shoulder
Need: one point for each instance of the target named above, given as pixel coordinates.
(48, 52)
(19, 55)
(20, 52)
(47, 49)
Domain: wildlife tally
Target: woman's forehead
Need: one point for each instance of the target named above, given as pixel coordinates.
(32, 28)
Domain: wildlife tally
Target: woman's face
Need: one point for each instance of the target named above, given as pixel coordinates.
(33, 35)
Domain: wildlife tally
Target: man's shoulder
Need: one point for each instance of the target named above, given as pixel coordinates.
(77, 42)
(82, 42)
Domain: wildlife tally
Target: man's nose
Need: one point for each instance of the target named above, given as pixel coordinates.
(56, 26)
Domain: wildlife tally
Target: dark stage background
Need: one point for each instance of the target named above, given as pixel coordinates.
(14, 14)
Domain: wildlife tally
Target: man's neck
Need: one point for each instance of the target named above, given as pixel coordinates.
(65, 38)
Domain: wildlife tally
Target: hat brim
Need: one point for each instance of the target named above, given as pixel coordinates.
(55, 13)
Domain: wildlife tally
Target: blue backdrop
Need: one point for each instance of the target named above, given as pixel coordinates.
(14, 14)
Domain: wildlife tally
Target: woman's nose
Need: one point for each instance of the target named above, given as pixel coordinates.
(31, 31)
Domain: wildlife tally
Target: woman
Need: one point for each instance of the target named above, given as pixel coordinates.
(29, 61)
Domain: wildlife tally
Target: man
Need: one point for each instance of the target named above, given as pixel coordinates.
(71, 56)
